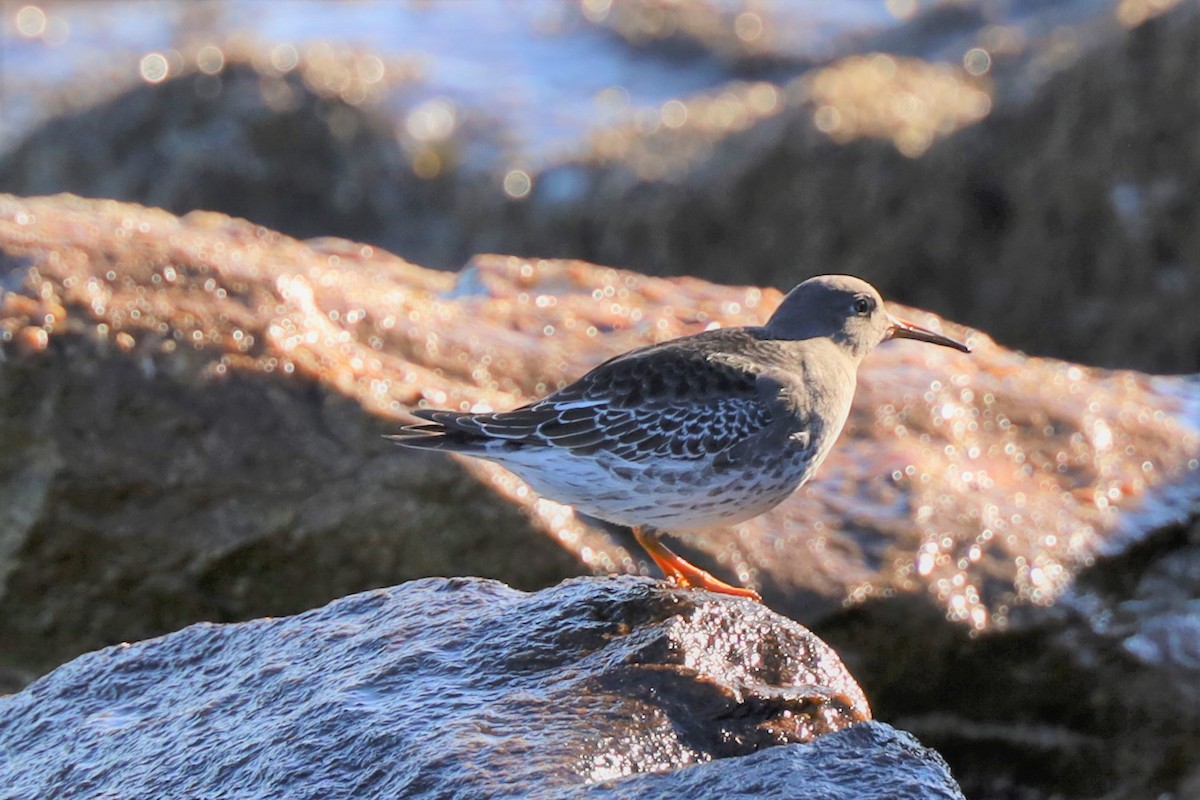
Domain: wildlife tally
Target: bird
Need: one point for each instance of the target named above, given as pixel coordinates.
(695, 432)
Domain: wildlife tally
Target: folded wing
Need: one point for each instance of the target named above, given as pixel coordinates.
(651, 403)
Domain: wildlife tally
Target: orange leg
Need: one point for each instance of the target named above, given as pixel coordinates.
(682, 573)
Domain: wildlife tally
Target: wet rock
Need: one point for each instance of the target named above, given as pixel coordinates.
(162, 458)
(752, 39)
(831, 768)
(190, 420)
(982, 483)
(1039, 209)
(1024, 192)
(1095, 696)
(744, 37)
(465, 688)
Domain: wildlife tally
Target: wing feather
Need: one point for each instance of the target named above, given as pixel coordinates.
(682, 399)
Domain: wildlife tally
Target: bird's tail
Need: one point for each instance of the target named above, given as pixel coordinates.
(443, 431)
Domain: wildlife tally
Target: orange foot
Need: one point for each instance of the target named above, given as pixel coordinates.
(684, 574)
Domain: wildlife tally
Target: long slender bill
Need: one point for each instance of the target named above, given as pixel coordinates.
(906, 330)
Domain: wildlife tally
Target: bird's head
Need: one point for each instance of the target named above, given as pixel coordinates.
(848, 311)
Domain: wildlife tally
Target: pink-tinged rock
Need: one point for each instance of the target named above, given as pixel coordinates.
(981, 481)
(984, 481)
(183, 433)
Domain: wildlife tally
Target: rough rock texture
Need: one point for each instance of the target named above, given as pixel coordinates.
(465, 688)
(1095, 696)
(163, 461)
(999, 545)
(865, 761)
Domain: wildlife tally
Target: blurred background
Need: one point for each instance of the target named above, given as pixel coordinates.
(1029, 167)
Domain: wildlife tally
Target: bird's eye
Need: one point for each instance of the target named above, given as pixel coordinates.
(863, 305)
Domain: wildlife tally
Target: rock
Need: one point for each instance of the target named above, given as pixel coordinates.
(1041, 207)
(1097, 695)
(163, 461)
(831, 768)
(454, 688)
(307, 151)
(190, 410)
(1032, 200)
(962, 452)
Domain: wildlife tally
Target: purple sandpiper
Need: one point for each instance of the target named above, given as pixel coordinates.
(714, 428)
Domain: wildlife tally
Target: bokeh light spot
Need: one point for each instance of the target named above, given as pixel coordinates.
(827, 119)
(154, 68)
(748, 26)
(371, 69)
(901, 9)
(210, 60)
(596, 10)
(674, 114)
(31, 22)
(432, 121)
(427, 163)
(284, 58)
(977, 61)
(517, 184)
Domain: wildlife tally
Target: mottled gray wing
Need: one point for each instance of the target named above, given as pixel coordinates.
(651, 403)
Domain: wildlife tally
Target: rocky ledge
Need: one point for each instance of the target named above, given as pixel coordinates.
(607, 688)
(1002, 548)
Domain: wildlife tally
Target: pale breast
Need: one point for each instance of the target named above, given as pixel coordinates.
(668, 495)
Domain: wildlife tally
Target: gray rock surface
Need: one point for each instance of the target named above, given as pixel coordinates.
(465, 688)
(869, 761)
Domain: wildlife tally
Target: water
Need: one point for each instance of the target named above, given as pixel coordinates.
(538, 58)
(550, 69)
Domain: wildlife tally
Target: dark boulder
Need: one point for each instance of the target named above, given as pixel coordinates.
(465, 688)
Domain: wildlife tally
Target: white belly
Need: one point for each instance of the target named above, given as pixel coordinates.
(668, 495)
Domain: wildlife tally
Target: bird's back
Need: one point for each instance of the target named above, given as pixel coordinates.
(681, 398)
